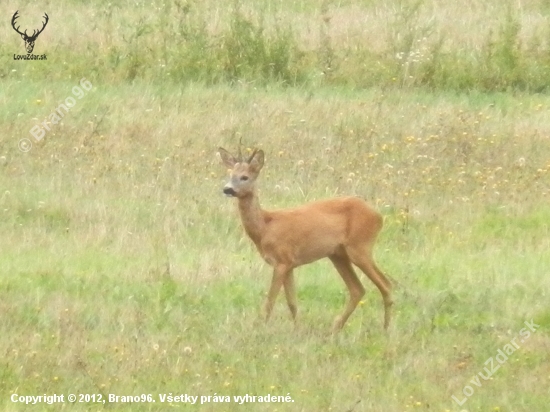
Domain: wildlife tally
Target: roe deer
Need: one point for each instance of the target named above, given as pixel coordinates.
(343, 229)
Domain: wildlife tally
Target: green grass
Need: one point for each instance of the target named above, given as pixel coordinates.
(124, 270)
(395, 44)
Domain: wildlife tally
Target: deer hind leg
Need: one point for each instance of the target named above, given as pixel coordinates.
(362, 258)
(280, 274)
(290, 293)
(354, 285)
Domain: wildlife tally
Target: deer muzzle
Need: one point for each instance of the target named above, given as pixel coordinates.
(229, 191)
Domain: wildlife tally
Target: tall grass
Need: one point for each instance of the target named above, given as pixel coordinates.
(123, 269)
(193, 41)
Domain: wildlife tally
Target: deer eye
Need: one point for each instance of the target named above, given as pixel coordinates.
(244, 178)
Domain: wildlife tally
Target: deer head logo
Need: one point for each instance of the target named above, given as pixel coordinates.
(29, 40)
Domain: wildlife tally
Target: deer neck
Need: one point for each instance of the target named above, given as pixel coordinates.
(252, 217)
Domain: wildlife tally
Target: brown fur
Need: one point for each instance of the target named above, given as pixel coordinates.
(342, 229)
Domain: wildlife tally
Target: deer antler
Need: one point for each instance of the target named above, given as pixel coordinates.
(34, 33)
(240, 153)
(15, 16)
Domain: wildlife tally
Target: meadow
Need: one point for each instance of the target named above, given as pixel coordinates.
(124, 270)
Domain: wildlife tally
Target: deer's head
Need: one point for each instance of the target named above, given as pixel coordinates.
(243, 172)
(29, 40)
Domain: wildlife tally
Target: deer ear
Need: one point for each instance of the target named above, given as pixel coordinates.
(257, 161)
(227, 158)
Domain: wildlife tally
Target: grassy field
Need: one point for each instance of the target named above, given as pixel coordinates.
(124, 270)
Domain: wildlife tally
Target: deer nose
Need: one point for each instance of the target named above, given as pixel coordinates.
(228, 191)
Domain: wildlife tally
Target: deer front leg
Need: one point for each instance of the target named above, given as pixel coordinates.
(290, 293)
(280, 273)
